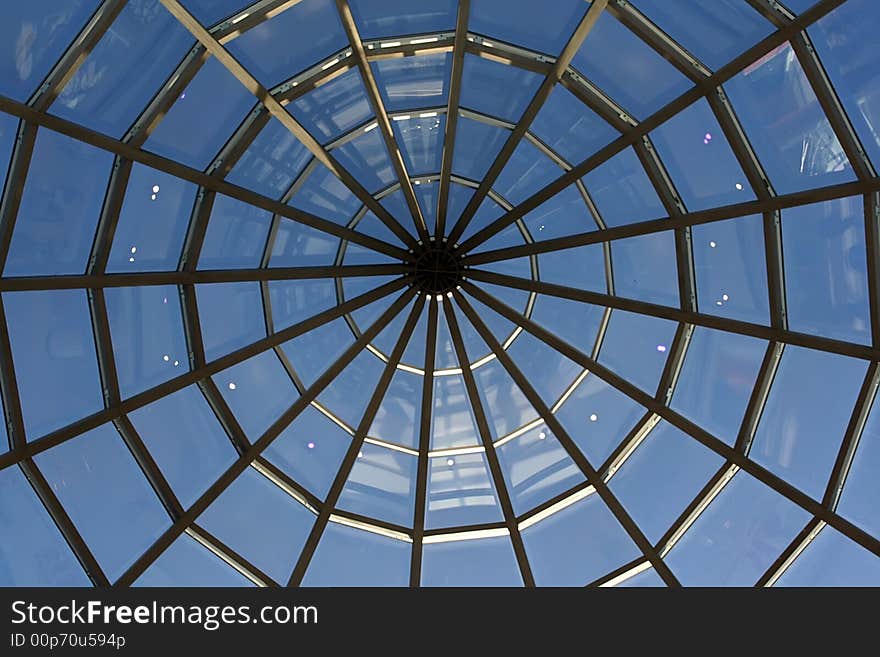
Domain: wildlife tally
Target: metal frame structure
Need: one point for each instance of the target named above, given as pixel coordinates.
(453, 305)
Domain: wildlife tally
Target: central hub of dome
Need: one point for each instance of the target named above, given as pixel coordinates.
(436, 268)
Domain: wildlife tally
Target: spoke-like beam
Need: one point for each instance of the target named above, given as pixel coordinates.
(541, 95)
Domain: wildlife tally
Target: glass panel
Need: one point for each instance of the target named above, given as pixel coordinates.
(236, 235)
(60, 206)
(258, 390)
(381, 485)
(186, 440)
(397, 17)
(350, 391)
(831, 559)
(504, 404)
(366, 158)
(333, 108)
(487, 213)
(96, 471)
(426, 195)
(53, 349)
(635, 347)
(622, 192)
(295, 301)
(699, 160)
(496, 89)
(476, 145)
(277, 49)
(231, 316)
(730, 269)
(407, 83)
(862, 490)
(202, 118)
(186, 563)
(548, 371)
(298, 245)
(452, 422)
(477, 562)
(8, 128)
(152, 223)
(637, 77)
(346, 556)
(842, 39)
(420, 140)
(459, 196)
(716, 380)
(399, 414)
(798, 148)
(147, 335)
(659, 480)
(598, 418)
(33, 552)
(647, 578)
(737, 537)
(805, 418)
(209, 12)
(256, 519)
(37, 33)
(310, 450)
(715, 32)
(527, 171)
(832, 299)
(577, 545)
(271, 162)
(582, 268)
(571, 128)
(563, 214)
(644, 268)
(536, 468)
(313, 352)
(324, 195)
(460, 492)
(575, 322)
(145, 43)
(527, 24)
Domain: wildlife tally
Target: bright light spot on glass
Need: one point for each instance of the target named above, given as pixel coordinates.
(176, 363)
(450, 462)
(707, 138)
(739, 186)
(541, 227)
(131, 259)
(134, 249)
(183, 95)
(232, 386)
(311, 445)
(155, 189)
(724, 297)
(360, 455)
(719, 303)
(542, 435)
(166, 358)
(661, 348)
(593, 417)
(153, 197)
(712, 244)
(164, 299)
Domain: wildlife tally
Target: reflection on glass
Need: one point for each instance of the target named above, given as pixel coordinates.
(366, 158)
(236, 235)
(421, 143)
(348, 394)
(526, 23)
(476, 145)
(805, 418)
(407, 83)
(298, 245)
(644, 268)
(460, 492)
(333, 108)
(475, 562)
(295, 301)
(831, 559)
(346, 556)
(622, 192)
(504, 404)
(571, 128)
(231, 316)
(381, 485)
(396, 17)
(186, 563)
(398, 417)
(548, 371)
(324, 195)
(496, 89)
(272, 161)
(82, 472)
(527, 171)
(635, 347)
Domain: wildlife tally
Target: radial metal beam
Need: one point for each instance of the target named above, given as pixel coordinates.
(22, 153)
(109, 218)
(262, 94)
(553, 77)
(231, 557)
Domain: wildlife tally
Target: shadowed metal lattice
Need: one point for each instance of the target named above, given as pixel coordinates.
(349, 292)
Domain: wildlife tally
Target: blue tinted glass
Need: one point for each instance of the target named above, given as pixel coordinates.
(398, 417)
(231, 316)
(33, 552)
(311, 353)
(637, 77)
(310, 450)
(843, 41)
(526, 23)
(799, 6)
(506, 407)
(699, 159)
(646, 578)
(256, 518)
(413, 82)
(53, 349)
(715, 32)
(662, 476)
(399, 17)
(60, 206)
(858, 502)
(536, 468)
(8, 127)
(333, 108)
(346, 556)
(804, 420)
(478, 562)
(258, 391)
(831, 300)
(348, 394)
(421, 143)
(298, 245)
(236, 235)
(290, 42)
(381, 485)
(460, 492)
(459, 195)
(147, 334)
(488, 212)
(731, 270)
(452, 420)
(747, 518)
(272, 161)
(476, 145)
(426, 194)
(571, 128)
(145, 43)
(96, 471)
(644, 268)
(294, 301)
(635, 347)
(831, 559)
(324, 195)
(186, 563)
(576, 323)
(716, 380)
(527, 171)
(36, 34)
(186, 440)
(548, 371)
(563, 214)
(576, 545)
(798, 148)
(497, 89)
(582, 267)
(209, 12)
(366, 158)
(622, 192)
(202, 118)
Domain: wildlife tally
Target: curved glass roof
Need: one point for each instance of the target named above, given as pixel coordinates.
(440, 293)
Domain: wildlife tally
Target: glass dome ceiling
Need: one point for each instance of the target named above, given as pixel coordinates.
(440, 293)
